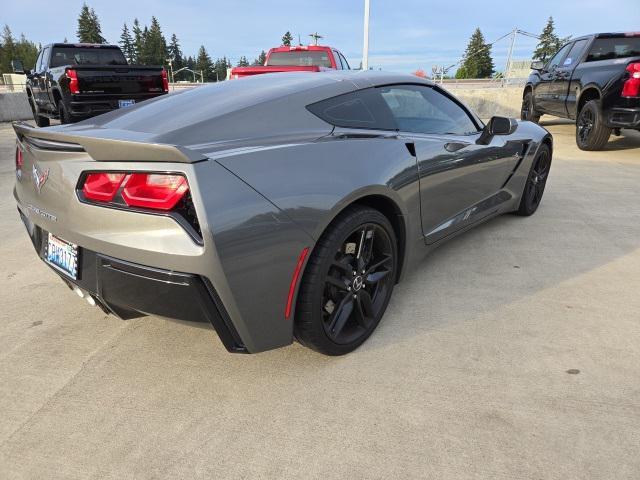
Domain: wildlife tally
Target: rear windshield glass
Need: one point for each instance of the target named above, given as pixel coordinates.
(300, 59)
(86, 56)
(610, 48)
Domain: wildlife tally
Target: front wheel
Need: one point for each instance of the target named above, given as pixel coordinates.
(591, 132)
(536, 182)
(528, 111)
(39, 119)
(347, 283)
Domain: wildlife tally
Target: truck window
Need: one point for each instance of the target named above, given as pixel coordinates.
(86, 56)
(610, 48)
(36, 67)
(575, 53)
(558, 57)
(303, 58)
(336, 57)
(345, 64)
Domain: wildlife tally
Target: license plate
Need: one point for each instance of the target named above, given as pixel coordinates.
(126, 103)
(62, 256)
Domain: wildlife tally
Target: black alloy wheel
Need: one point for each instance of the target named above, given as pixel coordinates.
(348, 282)
(528, 111)
(591, 132)
(534, 188)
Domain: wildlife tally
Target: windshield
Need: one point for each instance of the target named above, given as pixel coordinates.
(302, 58)
(86, 56)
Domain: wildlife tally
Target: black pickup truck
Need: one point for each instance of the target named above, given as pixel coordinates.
(594, 80)
(72, 82)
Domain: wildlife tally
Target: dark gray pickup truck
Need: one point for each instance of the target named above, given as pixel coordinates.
(72, 82)
(594, 80)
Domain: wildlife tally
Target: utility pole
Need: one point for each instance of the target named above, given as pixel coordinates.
(506, 75)
(365, 47)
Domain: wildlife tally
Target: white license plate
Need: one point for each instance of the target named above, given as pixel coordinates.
(126, 103)
(62, 255)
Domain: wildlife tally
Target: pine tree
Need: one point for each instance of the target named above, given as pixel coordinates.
(89, 30)
(287, 39)
(204, 65)
(262, 58)
(127, 45)
(477, 61)
(155, 45)
(174, 52)
(549, 44)
(138, 44)
(7, 50)
(243, 62)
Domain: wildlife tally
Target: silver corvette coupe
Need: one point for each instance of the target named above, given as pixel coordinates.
(279, 207)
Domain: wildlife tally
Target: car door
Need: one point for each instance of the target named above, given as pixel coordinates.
(460, 181)
(559, 94)
(34, 79)
(542, 91)
(42, 79)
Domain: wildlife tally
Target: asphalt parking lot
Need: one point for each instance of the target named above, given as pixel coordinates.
(466, 377)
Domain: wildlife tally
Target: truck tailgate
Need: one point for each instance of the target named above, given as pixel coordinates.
(119, 80)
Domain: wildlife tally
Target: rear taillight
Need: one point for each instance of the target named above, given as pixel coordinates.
(19, 161)
(165, 80)
(74, 86)
(102, 187)
(631, 87)
(155, 191)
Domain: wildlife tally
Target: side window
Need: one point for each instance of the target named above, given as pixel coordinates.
(422, 109)
(361, 109)
(345, 64)
(574, 54)
(44, 61)
(36, 67)
(336, 57)
(558, 57)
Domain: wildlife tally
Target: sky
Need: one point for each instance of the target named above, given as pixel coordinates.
(405, 35)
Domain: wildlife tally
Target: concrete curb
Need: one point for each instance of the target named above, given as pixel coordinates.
(14, 106)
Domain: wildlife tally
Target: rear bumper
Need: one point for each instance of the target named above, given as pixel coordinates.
(130, 290)
(85, 106)
(624, 118)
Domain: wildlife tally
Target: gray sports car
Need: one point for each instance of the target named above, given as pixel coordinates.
(276, 207)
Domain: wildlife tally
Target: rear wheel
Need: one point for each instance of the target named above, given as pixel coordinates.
(528, 111)
(39, 119)
(63, 113)
(347, 283)
(591, 132)
(534, 188)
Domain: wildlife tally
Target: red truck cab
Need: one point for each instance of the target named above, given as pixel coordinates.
(311, 58)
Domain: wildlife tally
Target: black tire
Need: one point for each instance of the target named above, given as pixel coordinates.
(591, 132)
(528, 111)
(63, 113)
(536, 182)
(39, 119)
(338, 305)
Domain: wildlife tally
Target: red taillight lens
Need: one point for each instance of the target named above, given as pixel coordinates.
(19, 159)
(74, 86)
(102, 187)
(631, 87)
(165, 80)
(154, 190)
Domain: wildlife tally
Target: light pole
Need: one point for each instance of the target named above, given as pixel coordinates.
(365, 47)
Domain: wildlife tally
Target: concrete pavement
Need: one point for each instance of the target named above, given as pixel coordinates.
(466, 377)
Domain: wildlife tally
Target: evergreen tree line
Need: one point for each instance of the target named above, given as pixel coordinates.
(14, 49)
(477, 61)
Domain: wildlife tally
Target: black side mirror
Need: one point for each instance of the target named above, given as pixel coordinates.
(17, 67)
(537, 65)
(497, 126)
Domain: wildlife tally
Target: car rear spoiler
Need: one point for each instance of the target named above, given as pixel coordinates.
(105, 145)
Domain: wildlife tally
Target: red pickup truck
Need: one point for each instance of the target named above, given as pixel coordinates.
(312, 58)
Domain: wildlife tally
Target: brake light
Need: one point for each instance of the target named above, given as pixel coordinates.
(154, 190)
(631, 87)
(74, 86)
(19, 161)
(165, 80)
(102, 187)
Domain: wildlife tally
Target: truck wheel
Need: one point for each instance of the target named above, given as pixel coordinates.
(39, 119)
(528, 111)
(591, 132)
(63, 114)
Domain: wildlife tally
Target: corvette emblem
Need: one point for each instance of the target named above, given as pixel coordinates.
(39, 177)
